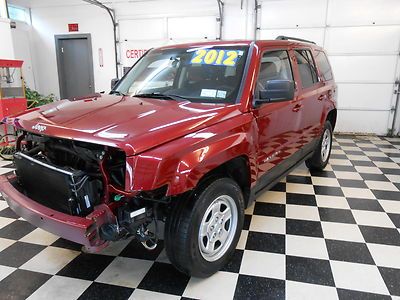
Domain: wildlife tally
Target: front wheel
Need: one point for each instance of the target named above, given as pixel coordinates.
(203, 229)
(321, 155)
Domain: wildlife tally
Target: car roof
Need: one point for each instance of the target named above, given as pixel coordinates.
(260, 43)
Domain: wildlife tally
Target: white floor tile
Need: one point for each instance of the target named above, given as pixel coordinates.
(368, 170)
(299, 188)
(372, 218)
(125, 271)
(5, 243)
(221, 285)
(385, 255)
(50, 260)
(305, 291)
(272, 197)
(358, 277)
(139, 294)
(41, 237)
(268, 224)
(381, 185)
(242, 240)
(347, 175)
(61, 288)
(5, 221)
(358, 193)
(342, 232)
(393, 178)
(324, 181)
(306, 247)
(5, 271)
(390, 206)
(332, 201)
(263, 264)
(302, 212)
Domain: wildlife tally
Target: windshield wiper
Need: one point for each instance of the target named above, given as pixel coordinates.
(118, 93)
(161, 96)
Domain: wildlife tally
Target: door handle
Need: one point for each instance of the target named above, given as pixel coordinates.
(321, 97)
(297, 107)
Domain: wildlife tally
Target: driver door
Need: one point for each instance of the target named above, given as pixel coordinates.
(277, 121)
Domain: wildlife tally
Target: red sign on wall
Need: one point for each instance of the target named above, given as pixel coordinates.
(73, 27)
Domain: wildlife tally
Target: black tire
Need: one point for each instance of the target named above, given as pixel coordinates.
(318, 162)
(183, 225)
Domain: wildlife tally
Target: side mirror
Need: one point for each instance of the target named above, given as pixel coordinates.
(277, 90)
(114, 82)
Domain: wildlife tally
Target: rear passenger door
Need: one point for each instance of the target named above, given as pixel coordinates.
(310, 96)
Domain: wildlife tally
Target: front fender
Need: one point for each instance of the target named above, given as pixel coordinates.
(180, 164)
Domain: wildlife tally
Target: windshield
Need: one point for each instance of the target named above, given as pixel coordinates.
(209, 74)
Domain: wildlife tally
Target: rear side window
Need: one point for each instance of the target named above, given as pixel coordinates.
(307, 69)
(323, 65)
(275, 65)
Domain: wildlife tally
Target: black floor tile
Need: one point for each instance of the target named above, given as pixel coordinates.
(392, 280)
(298, 179)
(353, 152)
(247, 221)
(352, 183)
(329, 174)
(381, 159)
(379, 235)
(349, 251)
(310, 270)
(362, 163)
(336, 215)
(374, 177)
(279, 187)
(344, 168)
(364, 204)
(234, 263)
(21, 284)
(86, 266)
(8, 213)
(338, 156)
(395, 219)
(386, 195)
(19, 253)
(269, 209)
(268, 242)
(106, 291)
(370, 149)
(252, 287)
(135, 250)
(305, 228)
(357, 295)
(16, 230)
(328, 190)
(164, 278)
(390, 171)
(393, 154)
(300, 199)
(66, 244)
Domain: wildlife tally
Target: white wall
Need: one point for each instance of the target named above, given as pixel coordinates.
(362, 38)
(6, 45)
(22, 44)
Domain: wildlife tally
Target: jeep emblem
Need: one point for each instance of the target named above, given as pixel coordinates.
(39, 127)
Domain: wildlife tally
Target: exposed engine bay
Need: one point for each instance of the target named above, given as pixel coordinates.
(74, 177)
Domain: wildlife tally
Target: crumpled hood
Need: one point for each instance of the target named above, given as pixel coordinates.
(132, 124)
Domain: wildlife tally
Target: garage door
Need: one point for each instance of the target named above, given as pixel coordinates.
(138, 35)
(362, 38)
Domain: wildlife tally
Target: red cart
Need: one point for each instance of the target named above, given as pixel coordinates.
(12, 101)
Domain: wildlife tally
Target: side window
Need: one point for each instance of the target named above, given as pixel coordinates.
(323, 65)
(307, 69)
(274, 65)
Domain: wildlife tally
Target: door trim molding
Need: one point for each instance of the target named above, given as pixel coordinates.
(60, 37)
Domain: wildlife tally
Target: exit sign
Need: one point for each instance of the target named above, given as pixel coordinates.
(73, 27)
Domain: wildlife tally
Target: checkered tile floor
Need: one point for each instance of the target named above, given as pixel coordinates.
(325, 235)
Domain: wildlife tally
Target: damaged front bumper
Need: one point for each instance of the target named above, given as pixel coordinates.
(82, 230)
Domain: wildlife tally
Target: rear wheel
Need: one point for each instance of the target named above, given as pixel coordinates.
(7, 146)
(321, 155)
(203, 229)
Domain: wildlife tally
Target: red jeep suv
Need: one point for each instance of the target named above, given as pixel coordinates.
(188, 137)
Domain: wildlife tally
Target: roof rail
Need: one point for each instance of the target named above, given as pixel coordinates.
(286, 38)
